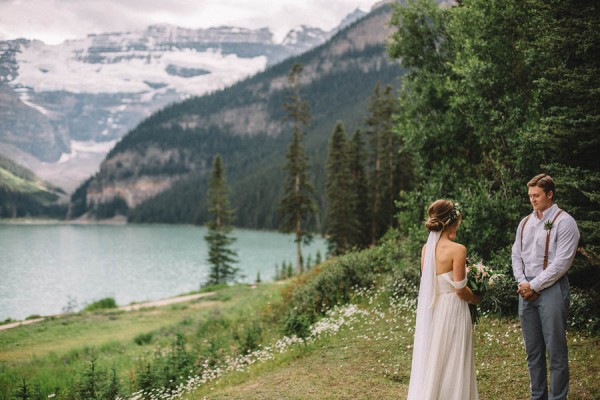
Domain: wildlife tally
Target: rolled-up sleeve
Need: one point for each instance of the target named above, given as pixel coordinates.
(567, 239)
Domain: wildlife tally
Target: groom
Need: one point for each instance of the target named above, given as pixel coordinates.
(542, 254)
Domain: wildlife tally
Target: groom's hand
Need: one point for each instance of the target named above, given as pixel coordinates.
(527, 293)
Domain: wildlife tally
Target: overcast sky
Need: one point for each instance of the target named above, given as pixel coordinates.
(53, 21)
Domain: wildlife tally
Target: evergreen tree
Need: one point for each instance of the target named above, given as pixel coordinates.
(23, 392)
(358, 157)
(395, 168)
(342, 222)
(220, 254)
(318, 258)
(390, 172)
(298, 204)
(374, 130)
(308, 265)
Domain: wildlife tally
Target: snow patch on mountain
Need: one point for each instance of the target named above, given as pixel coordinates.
(44, 68)
(88, 146)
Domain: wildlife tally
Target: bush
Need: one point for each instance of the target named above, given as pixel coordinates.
(405, 282)
(335, 281)
(213, 288)
(144, 338)
(102, 304)
(249, 336)
(584, 310)
(501, 299)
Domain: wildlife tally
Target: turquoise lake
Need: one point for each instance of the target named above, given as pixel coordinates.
(46, 269)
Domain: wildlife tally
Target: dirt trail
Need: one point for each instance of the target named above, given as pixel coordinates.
(132, 307)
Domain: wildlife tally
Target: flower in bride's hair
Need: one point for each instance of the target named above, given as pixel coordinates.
(455, 213)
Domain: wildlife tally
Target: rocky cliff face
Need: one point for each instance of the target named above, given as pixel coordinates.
(135, 176)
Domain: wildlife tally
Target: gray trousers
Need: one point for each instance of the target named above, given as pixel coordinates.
(544, 323)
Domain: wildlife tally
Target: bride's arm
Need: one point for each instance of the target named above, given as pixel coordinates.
(459, 273)
(467, 295)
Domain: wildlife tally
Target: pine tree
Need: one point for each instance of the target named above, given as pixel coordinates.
(318, 258)
(357, 157)
(374, 122)
(342, 223)
(308, 265)
(23, 392)
(387, 175)
(391, 163)
(298, 204)
(220, 255)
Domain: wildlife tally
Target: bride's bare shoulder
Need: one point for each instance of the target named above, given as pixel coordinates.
(458, 248)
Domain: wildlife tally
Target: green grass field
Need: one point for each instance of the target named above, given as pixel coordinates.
(371, 359)
(51, 353)
(368, 357)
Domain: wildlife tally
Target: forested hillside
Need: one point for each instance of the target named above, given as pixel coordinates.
(157, 173)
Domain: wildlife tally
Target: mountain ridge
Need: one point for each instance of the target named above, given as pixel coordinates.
(60, 91)
(244, 123)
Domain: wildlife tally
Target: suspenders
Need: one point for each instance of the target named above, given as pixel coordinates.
(547, 236)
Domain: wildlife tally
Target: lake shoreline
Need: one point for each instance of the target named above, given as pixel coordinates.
(49, 266)
(118, 220)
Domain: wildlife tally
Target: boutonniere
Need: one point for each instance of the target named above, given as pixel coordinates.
(548, 225)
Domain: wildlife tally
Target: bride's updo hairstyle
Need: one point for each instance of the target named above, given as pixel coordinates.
(442, 214)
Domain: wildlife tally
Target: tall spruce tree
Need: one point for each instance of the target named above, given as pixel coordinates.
(298, 203)
(357, 158)
(220, 254)
(374, 130)
(343, 229)
(395, 168)
(387, 174)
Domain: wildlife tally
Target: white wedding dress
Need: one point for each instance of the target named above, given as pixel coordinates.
(443, 366)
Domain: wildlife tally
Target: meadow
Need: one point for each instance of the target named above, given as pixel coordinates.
(359, 350)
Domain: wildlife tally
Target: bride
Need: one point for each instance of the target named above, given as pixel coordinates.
(442, 365)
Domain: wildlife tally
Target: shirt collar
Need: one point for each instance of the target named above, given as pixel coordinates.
(546, 213)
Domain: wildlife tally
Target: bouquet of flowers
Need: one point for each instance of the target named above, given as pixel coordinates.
(479, 279)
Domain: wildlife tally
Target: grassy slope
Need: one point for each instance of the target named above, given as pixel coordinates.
(15, 183)
(371, 359)
(52, 351)
(367, 359)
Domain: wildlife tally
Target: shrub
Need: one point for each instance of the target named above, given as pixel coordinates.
(584, 310)
(405, 282)
(335, 281)
(144, 338)
(213, 288)
(502, 298)
(249, 336)
(102, 304)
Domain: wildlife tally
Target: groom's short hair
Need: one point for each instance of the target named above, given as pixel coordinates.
(543, 181)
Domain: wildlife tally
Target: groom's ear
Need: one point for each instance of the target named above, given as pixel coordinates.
(550, 195)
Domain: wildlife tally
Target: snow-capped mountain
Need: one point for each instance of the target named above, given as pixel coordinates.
(62, 107)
